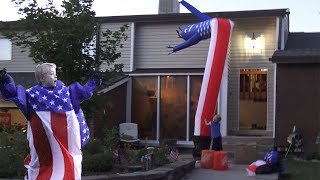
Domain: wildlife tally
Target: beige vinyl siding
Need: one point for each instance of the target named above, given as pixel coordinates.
(20, 62)
(125, 51)
(242, 58)
(151, 50)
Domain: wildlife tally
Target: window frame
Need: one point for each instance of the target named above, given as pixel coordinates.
(5, 53)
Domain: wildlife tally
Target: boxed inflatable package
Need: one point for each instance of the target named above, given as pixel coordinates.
(245, 153)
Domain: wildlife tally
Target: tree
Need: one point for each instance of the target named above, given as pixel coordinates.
(68, 39)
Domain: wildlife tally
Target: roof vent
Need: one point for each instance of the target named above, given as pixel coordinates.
(169, 6)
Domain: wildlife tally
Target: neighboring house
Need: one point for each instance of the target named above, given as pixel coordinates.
(298, 89)
(21, 67)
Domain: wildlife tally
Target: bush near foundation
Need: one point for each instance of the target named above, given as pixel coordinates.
(13, 150)
(100, 162)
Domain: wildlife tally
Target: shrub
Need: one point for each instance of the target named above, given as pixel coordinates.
(111, 138)
(13, 150)
(133, 156)
(160, 156)
(94, 146)
(97, 153)
(100, 162)
(142, 152)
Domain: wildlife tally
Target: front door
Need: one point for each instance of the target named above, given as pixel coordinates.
(253, 99)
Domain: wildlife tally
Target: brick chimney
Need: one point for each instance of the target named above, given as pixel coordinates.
(169, 6)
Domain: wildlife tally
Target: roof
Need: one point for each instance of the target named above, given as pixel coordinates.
(180, 17)
(167, 71)
(173, 17)
(300, 48)
(117, 80)
(123, 78)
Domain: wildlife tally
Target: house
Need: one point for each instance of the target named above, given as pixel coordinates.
(298, 90)
(160, 91)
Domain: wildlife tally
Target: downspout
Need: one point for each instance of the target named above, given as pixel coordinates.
(129, 84)
(132, 68)
(279, 33)
(278, 46)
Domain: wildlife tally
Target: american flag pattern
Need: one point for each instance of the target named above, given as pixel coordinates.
(251, 169)
(272, 157)
(173, 156)
(57, 100)
(55, 134)
(56, 127)
(217, 56)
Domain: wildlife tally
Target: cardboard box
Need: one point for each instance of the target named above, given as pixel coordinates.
(245, 153)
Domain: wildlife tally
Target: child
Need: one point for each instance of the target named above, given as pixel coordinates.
(216, 141)
(56, 125)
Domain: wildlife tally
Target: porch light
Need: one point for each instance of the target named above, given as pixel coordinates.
(253, 41)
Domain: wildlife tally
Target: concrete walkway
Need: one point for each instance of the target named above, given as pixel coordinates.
(186, 168)
(235, 172)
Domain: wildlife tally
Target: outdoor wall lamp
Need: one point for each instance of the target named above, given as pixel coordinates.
(253, 41)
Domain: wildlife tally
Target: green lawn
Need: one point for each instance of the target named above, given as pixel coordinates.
(301, 170)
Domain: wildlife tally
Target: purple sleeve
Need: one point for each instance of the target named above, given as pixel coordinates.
(80, 93)
(10, 92)
(8, 89)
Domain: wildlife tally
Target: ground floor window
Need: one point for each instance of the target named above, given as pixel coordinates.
(173, 103)
(144, 105)
(164, 107)
(195, 87)
(5, 49)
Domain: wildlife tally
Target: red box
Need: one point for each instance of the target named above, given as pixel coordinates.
(220, 160)
(206, 158)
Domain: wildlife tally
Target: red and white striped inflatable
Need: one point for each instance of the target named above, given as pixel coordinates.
(251, 169)
(217, 56)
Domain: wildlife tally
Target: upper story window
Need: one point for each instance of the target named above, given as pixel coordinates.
(5, 49)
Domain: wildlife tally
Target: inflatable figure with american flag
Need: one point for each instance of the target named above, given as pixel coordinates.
(219, 30)
(56, 128)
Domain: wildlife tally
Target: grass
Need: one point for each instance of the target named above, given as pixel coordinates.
(301, 170)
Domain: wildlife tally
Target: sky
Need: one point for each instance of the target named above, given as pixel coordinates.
(304, 14)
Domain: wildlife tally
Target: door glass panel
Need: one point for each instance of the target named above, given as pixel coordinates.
(195, 87)
(144, 105)
(173, 112)
(253, 98)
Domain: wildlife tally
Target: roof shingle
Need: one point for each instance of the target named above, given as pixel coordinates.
(300, 48)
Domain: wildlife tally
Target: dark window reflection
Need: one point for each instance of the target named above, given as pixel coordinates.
(144, 105)
(195, 86)
(173, 107)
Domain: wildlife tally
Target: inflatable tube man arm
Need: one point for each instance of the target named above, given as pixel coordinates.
(11, 92)
(194, 33)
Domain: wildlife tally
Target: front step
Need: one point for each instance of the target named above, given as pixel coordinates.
(259, 144)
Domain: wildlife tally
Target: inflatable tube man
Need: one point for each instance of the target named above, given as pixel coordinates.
(219, 30)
